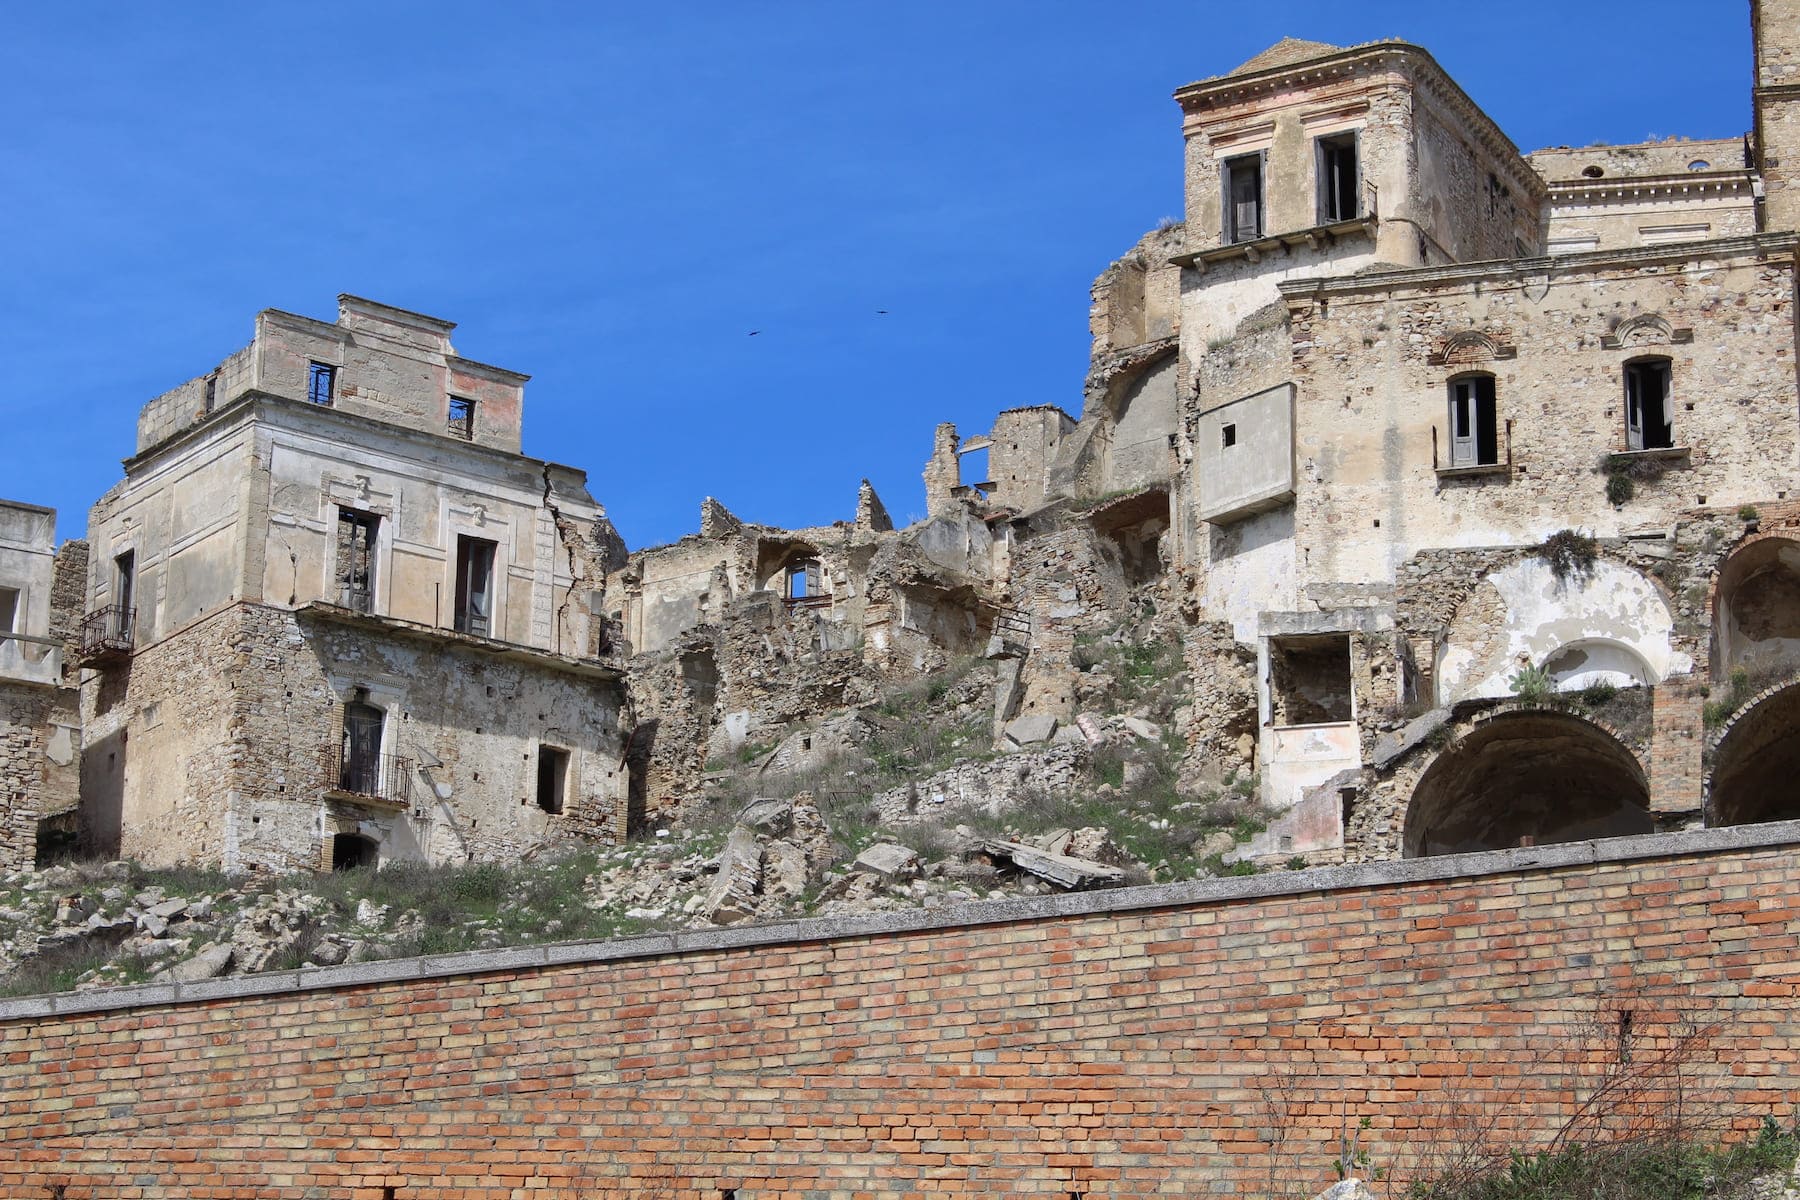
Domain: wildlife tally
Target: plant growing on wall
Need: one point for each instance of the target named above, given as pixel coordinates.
(1624, 472)
(1532, 685)
(1569, 553)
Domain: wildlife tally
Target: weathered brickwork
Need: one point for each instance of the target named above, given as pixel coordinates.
(1201, 1039)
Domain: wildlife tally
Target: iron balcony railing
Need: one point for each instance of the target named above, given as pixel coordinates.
(384, 777)
(106, 633)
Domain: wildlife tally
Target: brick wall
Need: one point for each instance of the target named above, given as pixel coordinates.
(1213, 1038)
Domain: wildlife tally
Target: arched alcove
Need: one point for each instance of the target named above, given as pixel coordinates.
(1756, 609)
(1527, 777)
(1610, 615)
(1756, 766)
(1586, 662)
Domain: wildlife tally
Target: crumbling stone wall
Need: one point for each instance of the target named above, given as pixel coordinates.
(1372, 366)
(40, 744)
(228, 733)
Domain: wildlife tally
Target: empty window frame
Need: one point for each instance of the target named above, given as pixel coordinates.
(356, 535)
(1227, 436)
(1649, 405)
(474, 586)
(803, 579)
(321, 383)
(461, 422)
(1474, 424)
(9, 610)
(1340, 183)
(1310, 680)
(1244, 198)
(552, 778)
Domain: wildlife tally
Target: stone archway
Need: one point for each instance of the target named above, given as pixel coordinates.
(1756, 609)
(1756, 766)
(1527, 777)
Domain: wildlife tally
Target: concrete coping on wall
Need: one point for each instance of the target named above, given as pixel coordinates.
(1317, 880)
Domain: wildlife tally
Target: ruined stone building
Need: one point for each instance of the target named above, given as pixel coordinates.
(1409, 439)
(335, 616)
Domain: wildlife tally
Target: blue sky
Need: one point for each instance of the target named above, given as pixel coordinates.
(609, 197)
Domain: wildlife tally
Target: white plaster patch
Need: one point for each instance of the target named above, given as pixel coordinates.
(1612, 624)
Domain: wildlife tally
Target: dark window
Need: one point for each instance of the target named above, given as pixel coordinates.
(350, 851)
(1649, 407)
(552, 778)
(9, 610)
(356, 559)
(1474, 428)
(474, 586)
(1340, 192)
(1243, 198)
(124, 595)
(212, 390)
(1227, 436)
(359, 766)
(321, 383)
(462, 418)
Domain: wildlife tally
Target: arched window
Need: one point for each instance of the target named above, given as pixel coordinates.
(1649, 405)
(1474, 422)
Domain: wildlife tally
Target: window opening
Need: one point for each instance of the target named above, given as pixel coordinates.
(1649, 414)
(474, 586)
(462, 418)
(1309, 680)
(9, 610)
(124, 596)
(552, 778)
(212, 390)
(1228, 436)
(359, 763)
(1243, 198)
(350, 851)
(321, 383)
(1474, 427)
(1339, 193)
(356, 534)
(803, 580)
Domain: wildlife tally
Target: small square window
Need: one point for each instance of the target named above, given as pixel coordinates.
(1227, 436)
(321, 383)
(462, 418)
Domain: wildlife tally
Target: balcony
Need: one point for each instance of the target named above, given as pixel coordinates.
(106, 635)
(27, 658)
(370, 778)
